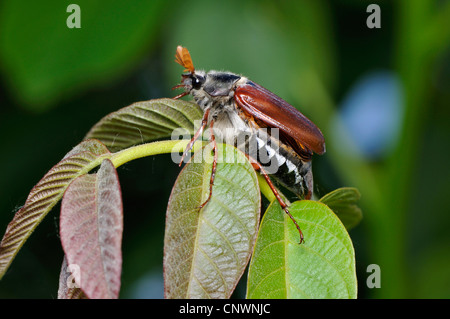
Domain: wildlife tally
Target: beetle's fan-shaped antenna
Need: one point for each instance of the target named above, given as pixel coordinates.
(183, 57)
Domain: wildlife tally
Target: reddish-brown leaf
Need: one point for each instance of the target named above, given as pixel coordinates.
(68, 288)
(91, 228)
(45, 195)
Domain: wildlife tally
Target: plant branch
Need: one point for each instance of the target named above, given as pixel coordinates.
(149, 149)
(164, 147)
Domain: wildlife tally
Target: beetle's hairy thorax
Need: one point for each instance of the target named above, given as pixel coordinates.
(217, 93)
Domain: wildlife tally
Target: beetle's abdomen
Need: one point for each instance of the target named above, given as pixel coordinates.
(279, 161)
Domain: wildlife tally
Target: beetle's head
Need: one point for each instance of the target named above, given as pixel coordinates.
(191, 79)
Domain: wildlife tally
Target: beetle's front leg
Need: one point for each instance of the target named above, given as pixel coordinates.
(214, 164)
(196, 135)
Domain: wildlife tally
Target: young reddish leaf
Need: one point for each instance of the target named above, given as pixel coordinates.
(45, 195)
(68, 288)
(145, 121)
(207, 250)
(91, 226)
(94, 146)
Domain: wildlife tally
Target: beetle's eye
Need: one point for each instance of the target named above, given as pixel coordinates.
(197, 82)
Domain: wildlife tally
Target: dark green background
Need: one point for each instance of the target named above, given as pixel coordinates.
(57, 82)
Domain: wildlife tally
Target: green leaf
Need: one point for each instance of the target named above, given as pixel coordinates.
(343, 202)
(44, 61)
(145, 121)
(47, 192)
(206, 251)
(322, 267)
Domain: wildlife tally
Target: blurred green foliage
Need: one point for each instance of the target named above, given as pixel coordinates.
(39, 50)
(57, 82)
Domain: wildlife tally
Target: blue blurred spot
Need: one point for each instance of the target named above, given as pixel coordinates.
(150, 286)
(371, 115)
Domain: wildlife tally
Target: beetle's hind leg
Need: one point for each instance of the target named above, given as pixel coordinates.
(283, 205)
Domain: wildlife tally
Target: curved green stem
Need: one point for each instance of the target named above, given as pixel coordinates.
(265, 188)
(149, 149)
(165, 147)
